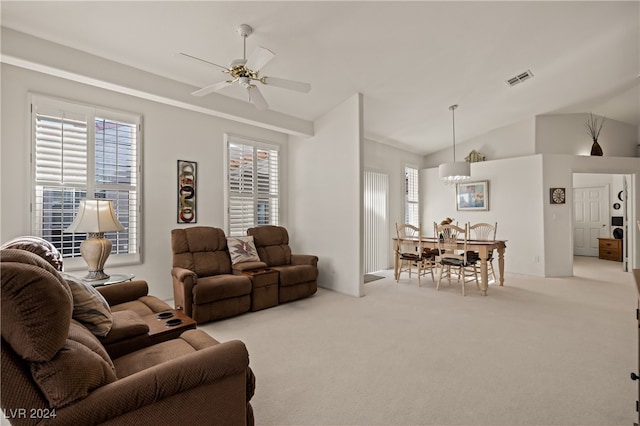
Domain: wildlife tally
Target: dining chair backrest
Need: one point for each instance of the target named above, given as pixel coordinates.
(408, 237)
(483, 231)
(449, 238)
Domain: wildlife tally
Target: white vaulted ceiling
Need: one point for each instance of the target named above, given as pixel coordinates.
(410, 60)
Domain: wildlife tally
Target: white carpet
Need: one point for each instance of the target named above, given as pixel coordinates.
(553, 351)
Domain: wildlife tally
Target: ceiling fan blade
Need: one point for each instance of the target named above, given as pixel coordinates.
(256, 98)
(259, 58)
(186, 55)
(212, 88)
(298, 86)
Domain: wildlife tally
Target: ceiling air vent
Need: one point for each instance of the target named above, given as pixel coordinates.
(520, 78)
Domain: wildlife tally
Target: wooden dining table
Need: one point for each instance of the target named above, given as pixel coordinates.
(482, 247)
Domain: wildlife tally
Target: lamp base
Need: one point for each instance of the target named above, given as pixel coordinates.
(95, 276)
(95, 250)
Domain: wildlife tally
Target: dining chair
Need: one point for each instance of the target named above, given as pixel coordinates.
(452, 253)
(410, 252)
(483, 232)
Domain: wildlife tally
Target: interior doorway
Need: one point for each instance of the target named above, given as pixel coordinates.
(602, 210)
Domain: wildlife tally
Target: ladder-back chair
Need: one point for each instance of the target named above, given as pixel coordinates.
(410, 252)
(453, 257)
(484, 232)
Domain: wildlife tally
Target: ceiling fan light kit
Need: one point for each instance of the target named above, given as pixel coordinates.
(456, 171)
(245, 72)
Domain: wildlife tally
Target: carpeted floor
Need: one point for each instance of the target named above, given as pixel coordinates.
(554, 351)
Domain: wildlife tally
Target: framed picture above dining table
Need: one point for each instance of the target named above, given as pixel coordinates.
(472, 196)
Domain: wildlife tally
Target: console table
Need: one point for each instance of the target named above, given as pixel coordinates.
(264, 288)
(161, 328)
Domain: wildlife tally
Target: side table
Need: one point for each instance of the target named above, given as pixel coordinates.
(113, 279)
(168, 325)
(264, 288)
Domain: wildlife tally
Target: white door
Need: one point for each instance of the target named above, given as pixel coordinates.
(590, 219)
(376, 222)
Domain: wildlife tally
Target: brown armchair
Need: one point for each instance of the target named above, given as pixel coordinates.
(55, 371)
(203, 282)
(298, 272)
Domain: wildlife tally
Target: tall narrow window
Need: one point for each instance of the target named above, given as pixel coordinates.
(411, 195)
(83, 152)
(253, 185)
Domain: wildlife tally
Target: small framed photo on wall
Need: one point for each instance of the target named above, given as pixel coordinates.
(472, 196)
(187, 193)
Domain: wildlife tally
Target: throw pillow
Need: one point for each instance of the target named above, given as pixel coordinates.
(90, 308)
(242, 249)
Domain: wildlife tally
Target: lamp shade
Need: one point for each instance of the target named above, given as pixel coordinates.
(95, 216)
(455, 172)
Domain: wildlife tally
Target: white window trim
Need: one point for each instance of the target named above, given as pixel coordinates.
(404, 195)
(256, 143)
(115, 260)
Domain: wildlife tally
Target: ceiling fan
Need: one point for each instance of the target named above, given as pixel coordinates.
(245, 72)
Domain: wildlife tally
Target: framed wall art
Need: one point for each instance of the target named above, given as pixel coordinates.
(472, 196)
(187, 191)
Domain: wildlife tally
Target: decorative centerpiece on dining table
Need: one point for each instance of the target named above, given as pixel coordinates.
(594, 126)
(446, 221)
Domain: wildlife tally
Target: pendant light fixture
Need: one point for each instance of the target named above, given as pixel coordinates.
(457, 171)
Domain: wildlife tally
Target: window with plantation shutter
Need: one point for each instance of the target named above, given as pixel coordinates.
(411, 194)
(84, 152)
(253, 186)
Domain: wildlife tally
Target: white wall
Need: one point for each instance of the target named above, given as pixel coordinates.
(567, 134)
(545, 134)
(382, 158)
(514, 140)
(515, 203)
(170, 134)
(325, 181)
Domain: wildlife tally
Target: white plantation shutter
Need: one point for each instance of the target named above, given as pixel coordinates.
(253, 186)
(61, 146)
(411, 193)
(80, 152)
(116, 176)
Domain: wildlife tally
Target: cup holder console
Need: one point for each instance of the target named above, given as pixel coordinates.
(173, 322)
(164, 315)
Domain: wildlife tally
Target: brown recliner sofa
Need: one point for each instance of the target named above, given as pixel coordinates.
(298, 272)
(128, 301)
(55, 371)
(204, 285)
